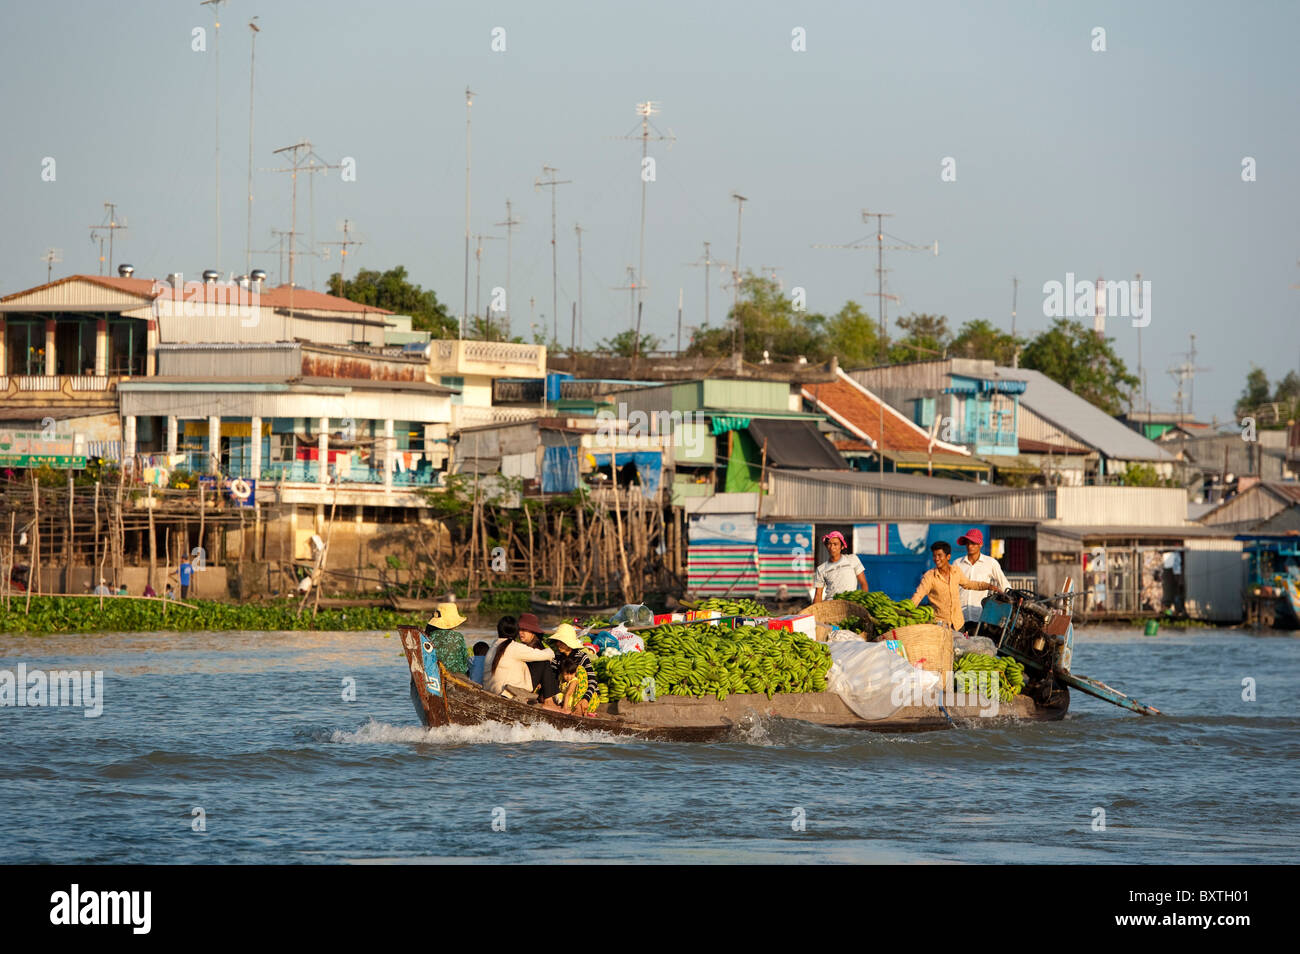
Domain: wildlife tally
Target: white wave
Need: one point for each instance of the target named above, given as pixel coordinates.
(489, 733)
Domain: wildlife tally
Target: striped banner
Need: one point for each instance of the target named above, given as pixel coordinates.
(714, 570)
(778, 570)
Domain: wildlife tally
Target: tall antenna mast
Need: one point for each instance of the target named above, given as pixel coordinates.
(253, 30)
(216, 113)
(478, 281)
(469, 102)
(578, 229)
(706, 263)
(1015, 289)
(348, 240)
(735, 279)
(313, 163)
(645, 111)
(509, 224)
(111, 225)
(631, 298)
(1142, 380)
(542, 182)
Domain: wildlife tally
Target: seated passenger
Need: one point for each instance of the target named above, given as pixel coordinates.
(569, 647)
(521, 662)
(476, 664)
(447, 641)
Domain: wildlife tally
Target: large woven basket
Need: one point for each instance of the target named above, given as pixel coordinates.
(928, 645)
(829, 612)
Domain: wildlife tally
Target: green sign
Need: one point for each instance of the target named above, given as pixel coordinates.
(57, 461)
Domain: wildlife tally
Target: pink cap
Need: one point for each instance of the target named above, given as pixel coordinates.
(836, 535)
(972, 536)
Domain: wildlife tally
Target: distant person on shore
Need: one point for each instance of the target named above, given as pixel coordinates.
(478, 661)
(943, 586)
(121, 589)
(447, 640)
(183, 574)
(842, 573)
(149, 590)
(102, 589)
(981, 568)
(523, 662)
(169, 593)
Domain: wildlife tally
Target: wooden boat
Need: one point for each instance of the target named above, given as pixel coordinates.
(444, 698)
(570, 608)
(406, 604)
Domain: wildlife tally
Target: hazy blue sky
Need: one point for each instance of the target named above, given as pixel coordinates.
(1067, 160)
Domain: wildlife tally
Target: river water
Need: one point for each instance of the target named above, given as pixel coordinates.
(241, 747)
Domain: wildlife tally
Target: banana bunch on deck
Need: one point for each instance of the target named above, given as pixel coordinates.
(700, 659)
(623, 676)
(887, 613)
(991, 674)
(732, 607)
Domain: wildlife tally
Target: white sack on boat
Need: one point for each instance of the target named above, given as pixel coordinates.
(870, 677)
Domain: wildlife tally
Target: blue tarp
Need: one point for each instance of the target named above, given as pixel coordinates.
(559, 470)
(648, 466)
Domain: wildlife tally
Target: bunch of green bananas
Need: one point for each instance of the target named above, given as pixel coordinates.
(623, 676)
(1002, 674)
(596, 622)
(745, 607)
(701, 659)
(887, 613)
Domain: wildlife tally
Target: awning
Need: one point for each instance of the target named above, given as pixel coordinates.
(797, 445)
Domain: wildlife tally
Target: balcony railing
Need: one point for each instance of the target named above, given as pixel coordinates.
(984, 436)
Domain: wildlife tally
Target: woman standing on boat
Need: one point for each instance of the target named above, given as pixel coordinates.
(841, 573)
(517, 660)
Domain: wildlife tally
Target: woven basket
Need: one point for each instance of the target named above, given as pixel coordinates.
(829, 612)
(928, 645)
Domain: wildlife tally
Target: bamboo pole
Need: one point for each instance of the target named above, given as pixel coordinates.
(528, 517)
(153, 541)
(13, 516)
(167, 567)
(34, 569)
(329, 534)
(67, 571)
(203, 510)
(622, 550)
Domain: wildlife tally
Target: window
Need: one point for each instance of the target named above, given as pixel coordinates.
(453, 382)
(126, 346)
(923, 413)
(25, 346)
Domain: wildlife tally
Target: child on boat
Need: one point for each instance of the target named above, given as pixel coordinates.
(476, 664)
(573, 696)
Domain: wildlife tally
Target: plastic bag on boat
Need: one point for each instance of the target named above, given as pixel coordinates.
(635, 614)
(627, 642)
(963, 644)
(606, 643)
(873, 680)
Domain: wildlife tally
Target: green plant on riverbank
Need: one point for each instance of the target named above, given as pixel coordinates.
(54, 614)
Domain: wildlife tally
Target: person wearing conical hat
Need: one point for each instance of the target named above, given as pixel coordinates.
(566, 644)
(447, 640)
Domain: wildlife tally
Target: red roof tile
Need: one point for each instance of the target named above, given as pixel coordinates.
(861, 413)
(309, 300)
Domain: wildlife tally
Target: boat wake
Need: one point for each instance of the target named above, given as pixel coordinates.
(485, 733)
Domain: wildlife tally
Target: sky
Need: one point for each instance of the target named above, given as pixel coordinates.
(1068, 158)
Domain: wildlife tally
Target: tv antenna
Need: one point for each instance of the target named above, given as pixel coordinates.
(509, 225)
(881, 248)
(547, 180)
(216, 113)
(469, 102)
(1185, 374)
(301, 158)
(630, 287)
(253, 30)
(706, 263)
(111, 224)
(51, 256)
(735, 279)
(348, 240)
(478, 278)
(645, 111)
(577, 315)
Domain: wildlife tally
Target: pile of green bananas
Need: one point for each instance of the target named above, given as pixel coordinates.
(1001, 674)
(595, 622)
(701, 659)
(886, 613)
(732, 607)
(623, 676)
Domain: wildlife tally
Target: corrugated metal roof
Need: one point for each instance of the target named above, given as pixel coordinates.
(1088, 423)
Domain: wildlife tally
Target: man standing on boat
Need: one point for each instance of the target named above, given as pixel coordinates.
(981, 568)
(841, 573)
(943, 586)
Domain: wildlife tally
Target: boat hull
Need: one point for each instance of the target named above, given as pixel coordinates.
(689, 719)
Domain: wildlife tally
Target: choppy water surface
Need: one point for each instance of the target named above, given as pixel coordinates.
(253, 729)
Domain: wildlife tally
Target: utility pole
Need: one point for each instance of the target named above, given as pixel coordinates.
(253, 29)
(679, 322)
(1015, 289)
(542, 182)
(708, 262)
(735, 279)
(469, 102)
(1142, 377)
(216, 50)
(645, 111)
(1185, 375)
(111, 225)
(343, 252)
(509, 224)
(578, 229)
(630, 287)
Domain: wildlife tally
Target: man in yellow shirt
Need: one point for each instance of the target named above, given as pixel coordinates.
(943, 585)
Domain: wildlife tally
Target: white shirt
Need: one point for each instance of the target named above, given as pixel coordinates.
(838, 577)
(984, 570)
(513, 668)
